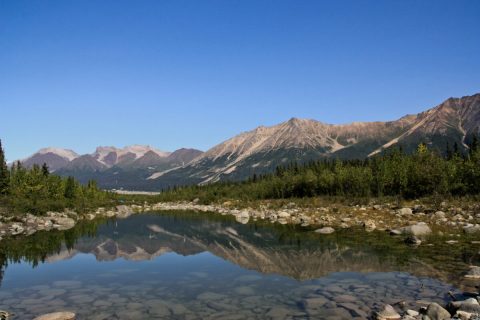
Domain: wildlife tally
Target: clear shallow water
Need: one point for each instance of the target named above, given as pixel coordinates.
(191, 266)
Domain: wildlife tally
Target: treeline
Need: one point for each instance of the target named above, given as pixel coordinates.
(394, 173)
(36, 191)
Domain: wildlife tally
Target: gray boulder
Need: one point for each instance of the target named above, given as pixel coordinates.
(469, 306)
(437, 312)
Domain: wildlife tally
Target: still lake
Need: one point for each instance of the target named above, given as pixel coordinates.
(186, 265)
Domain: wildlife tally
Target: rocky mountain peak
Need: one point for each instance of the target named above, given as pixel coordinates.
(110, 156)
(64, 153)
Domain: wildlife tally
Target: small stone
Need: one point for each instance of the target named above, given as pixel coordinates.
(325, 230)
(395, 232)
(404, 211)
(123, 211)
(469, 229)
(369, 225)
(418, 230)
(473, 273)
(314, 303)
(387, 313)
(242, 217)
(283, 214)
(451, 241)
(462, 315)
(439, 214)
(64, 315)
(412, 313)
(412, 240)
(62, 223)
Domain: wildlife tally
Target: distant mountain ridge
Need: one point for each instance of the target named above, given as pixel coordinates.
(112, 167)
(454, 121)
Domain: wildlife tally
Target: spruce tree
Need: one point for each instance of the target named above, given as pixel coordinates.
(70, 188)
(456, 150)
(474, 145)
(4, 177)
(448, 152)
(45, 170)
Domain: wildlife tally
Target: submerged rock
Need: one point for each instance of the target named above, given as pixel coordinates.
(325, 230)
(63, 315)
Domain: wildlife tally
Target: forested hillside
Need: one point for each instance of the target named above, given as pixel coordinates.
(36, 191)
(395, 173)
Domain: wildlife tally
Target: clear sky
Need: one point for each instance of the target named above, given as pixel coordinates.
(173, 74)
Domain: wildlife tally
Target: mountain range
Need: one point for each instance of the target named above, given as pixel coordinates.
(261, 150)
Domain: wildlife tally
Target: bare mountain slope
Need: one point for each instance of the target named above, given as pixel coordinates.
(55, 158)
(264, 148)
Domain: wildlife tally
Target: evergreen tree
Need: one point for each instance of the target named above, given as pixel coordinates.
(448, 152)
(45, 170)
(474, 145)
(4, 174)
(456, 150)
(70, 188)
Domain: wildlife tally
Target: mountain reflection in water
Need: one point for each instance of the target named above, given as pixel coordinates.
(285, 267)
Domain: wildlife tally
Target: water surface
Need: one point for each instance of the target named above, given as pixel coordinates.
(196, 266)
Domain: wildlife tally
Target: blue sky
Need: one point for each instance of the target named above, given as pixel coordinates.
(173, 74)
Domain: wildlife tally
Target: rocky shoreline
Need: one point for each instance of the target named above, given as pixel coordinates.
(414, 223)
